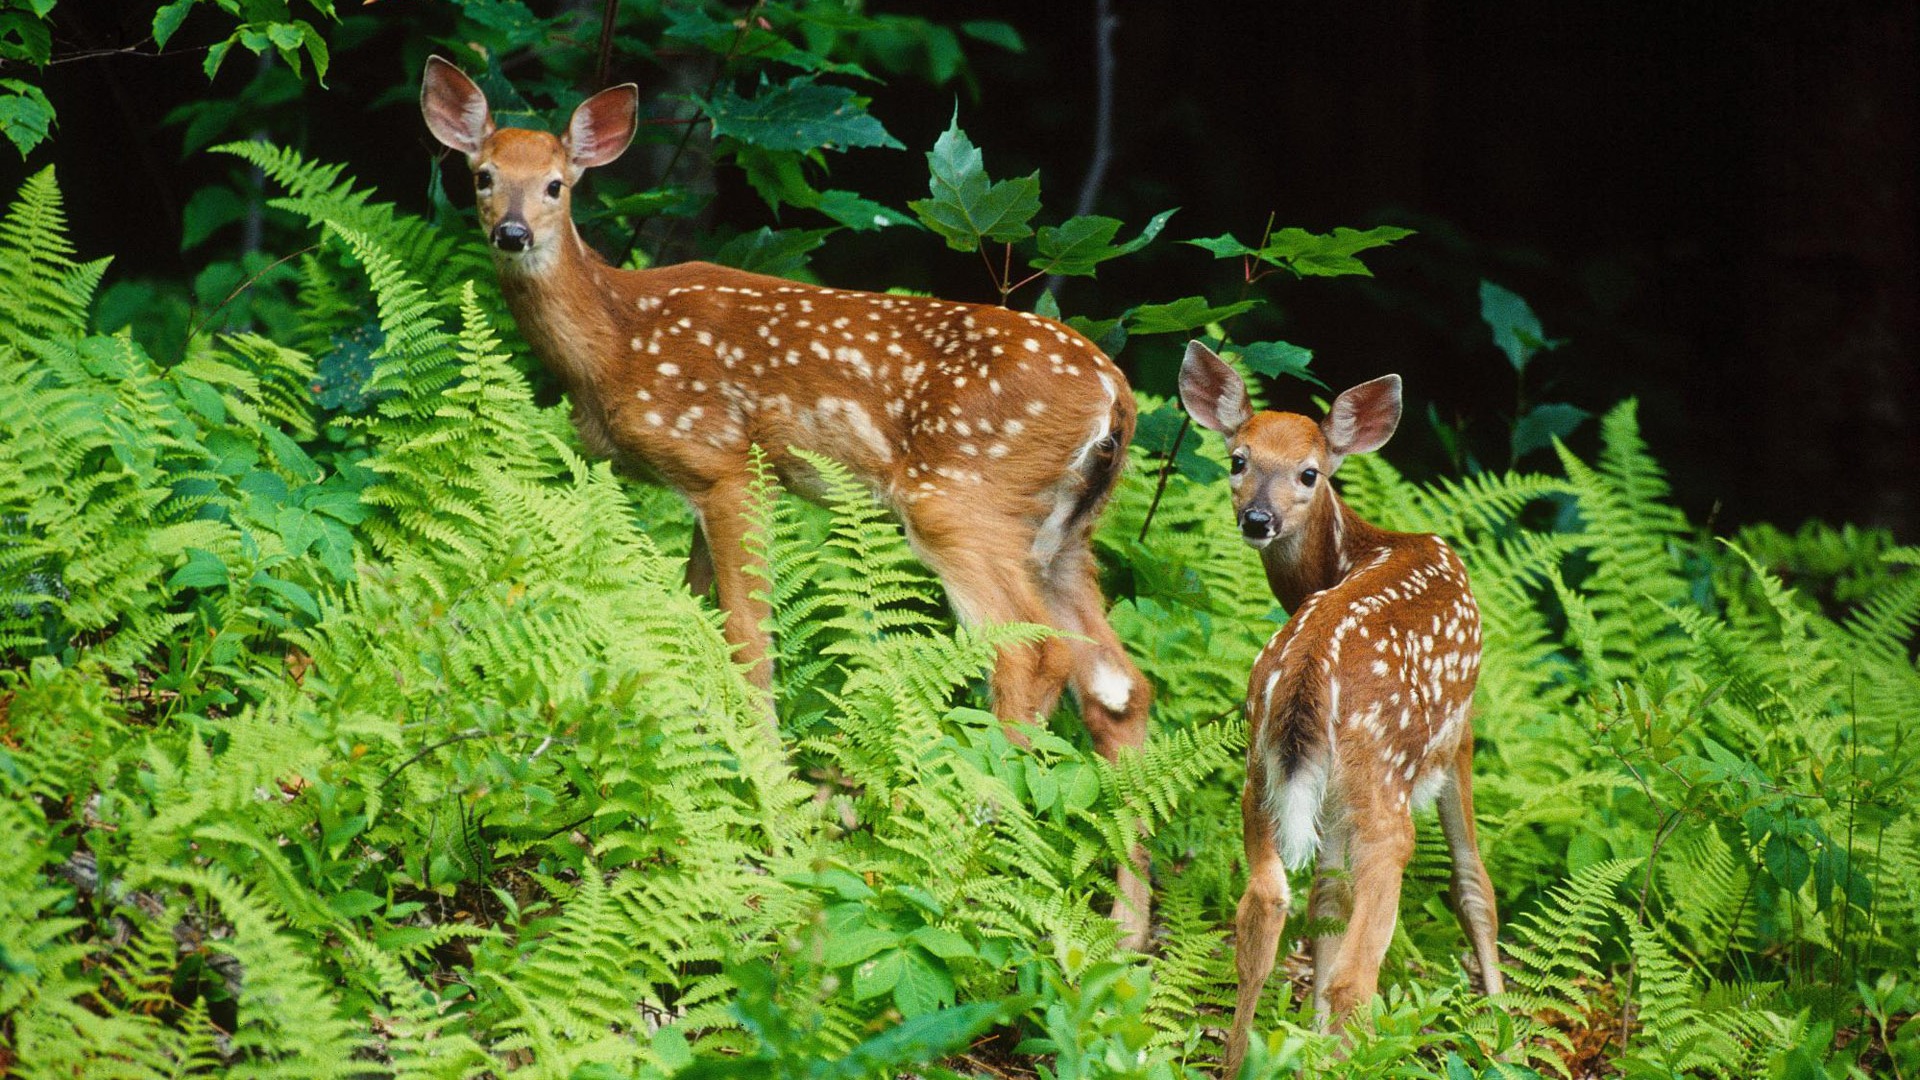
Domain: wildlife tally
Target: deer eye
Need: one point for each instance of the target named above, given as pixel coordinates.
(553, 189)
(1237, 463)
(1308, 476)
(483, 179)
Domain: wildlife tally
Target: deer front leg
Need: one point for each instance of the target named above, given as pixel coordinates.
(723, 510)
(1261, 918)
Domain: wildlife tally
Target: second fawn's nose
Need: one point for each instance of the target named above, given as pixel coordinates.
(512, 236)
(1256, 524)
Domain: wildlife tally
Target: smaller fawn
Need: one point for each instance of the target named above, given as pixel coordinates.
(1358, 707)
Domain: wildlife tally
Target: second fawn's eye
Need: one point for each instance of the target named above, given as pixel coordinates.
(1238, 463)
(1308, 476)
(553, 189)
(483, 179)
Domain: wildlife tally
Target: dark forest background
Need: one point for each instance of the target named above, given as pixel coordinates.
(1712, 203)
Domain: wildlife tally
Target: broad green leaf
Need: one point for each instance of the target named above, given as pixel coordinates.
(860, 214)
(944, 944)
(924, 1038)
(168, 19)
(799, 115)
(25, 115)
(1276, 358)
(1516, 329)
(1308, 254)
(1046, 305)
(879, 975)
(203, 570)
(853, 946)
(1079, 244)
(210, 208)
(924, 984)
(1182, 315)
(967, 206)
(779, 252)
(994, 32)
(1544, 423)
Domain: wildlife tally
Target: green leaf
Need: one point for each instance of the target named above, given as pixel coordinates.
(920, 1039)
(1787, 862)
(1079, 244)
(1276, 358)
(994, 32)
(779, 252)
(210, 208)
(1516, 329)
(924, 984)
(1308, 254)
(853, 946)
(800, 115)
(1181, 316)
(860, 214)
(168, 19)
(1046, 305)
(879, 975)
(967, 206)
(203, 570)
(25, 115)
(353, 903)
(217, 54)
(1544, 423)
(944, 944)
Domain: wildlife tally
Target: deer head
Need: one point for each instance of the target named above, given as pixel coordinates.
(523, 180)
(1278, 462)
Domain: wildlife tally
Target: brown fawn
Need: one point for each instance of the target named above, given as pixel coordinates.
(1358, 707)
(997, 436)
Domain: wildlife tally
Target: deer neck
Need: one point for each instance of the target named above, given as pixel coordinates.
(564, 305)
(1322, 553)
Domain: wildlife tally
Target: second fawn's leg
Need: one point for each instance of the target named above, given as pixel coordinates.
(980, 557)
(723, 510)
(1330, 901)
(1261, 917)
(1472, 893)
(1380, 842)
(1113, 698)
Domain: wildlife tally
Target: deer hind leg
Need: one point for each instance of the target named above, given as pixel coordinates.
(1113, 698)
(699, 563)
(723, 512)
(980, 557)
(1330, 902)
(1472, 893)
(1261, 917)
(1379, 845)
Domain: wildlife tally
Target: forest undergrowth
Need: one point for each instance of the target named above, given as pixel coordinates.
(352, 723)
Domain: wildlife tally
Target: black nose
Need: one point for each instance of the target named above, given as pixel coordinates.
(1256, 524)
(512, 236)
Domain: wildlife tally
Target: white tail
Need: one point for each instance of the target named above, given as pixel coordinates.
(1358, 707)
(996, 435)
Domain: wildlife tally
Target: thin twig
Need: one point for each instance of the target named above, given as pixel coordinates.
(1166, 468)
(200, 323)
(606, 46)
(1104, 24)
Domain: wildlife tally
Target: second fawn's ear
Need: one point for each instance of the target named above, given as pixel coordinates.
(1363, 418)
(1212, 392)
(603, 126)
(455, 109)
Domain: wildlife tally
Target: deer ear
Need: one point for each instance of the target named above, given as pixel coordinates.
(603, 126)
(1212, 392)
(1363, 418)
(455, 109)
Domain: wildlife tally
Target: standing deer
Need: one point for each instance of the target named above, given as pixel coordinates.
(996, 435)
(1358, 707)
